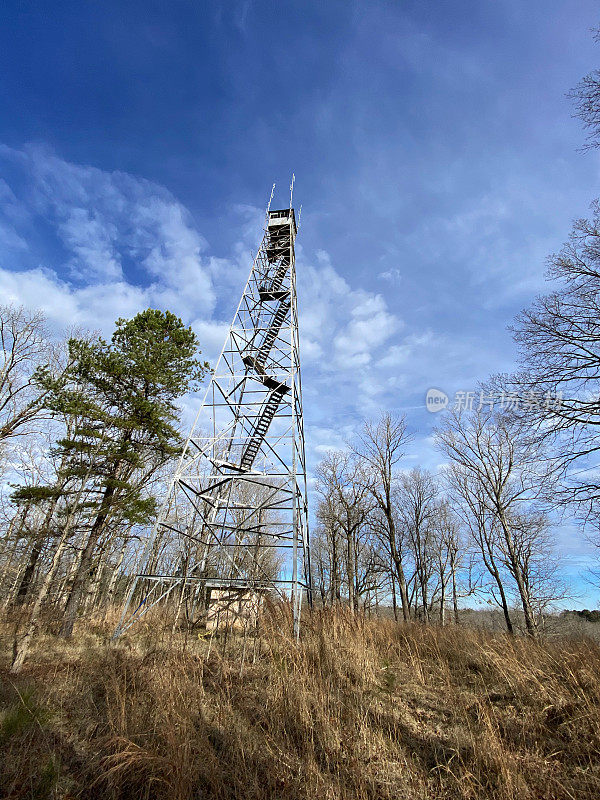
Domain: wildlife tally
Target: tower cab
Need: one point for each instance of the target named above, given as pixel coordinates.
(282, 230)
(282, 217)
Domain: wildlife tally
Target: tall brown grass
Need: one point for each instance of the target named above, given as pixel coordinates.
(358, 709)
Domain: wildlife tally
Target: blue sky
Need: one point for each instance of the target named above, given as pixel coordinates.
(436, 161)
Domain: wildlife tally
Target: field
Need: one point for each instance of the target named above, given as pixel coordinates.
(358, 709)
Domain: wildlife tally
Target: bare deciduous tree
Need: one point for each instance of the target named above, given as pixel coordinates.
(470, 502)
(24, 350)
(417, 503)
(449, 556)
(510, 470)
(586, 96)
(346, 509)
(381, 447)
(558, 381)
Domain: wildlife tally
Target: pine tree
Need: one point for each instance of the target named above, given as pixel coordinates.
(123, 395)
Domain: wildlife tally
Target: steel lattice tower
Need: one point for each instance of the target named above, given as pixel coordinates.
(235, 518)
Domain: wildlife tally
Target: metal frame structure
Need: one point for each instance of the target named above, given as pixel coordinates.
(235, 515)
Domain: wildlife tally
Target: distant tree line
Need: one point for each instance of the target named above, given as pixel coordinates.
(421, 542)
(585, 613)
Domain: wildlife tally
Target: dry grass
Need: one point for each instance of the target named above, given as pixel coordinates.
(359, 709)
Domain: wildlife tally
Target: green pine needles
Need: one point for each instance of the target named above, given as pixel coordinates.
(118, 400)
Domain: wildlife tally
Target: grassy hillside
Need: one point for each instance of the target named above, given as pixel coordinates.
(359, 709)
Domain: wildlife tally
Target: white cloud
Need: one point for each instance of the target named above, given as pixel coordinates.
(106, 219)
(399, 354)
(124, 244)
(11, 215)
(325, 439)
(341, 327)
(129, 244)
(94, 307)
(392, 275)
(370, 325)
(211, 336)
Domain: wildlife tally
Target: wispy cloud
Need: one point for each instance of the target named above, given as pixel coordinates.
(393, 275)
(116, 243)
(126, 243)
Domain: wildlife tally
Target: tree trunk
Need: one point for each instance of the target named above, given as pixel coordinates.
(487, 553)
(26, 578)
(110, 589)
(8, 533)
(67, 581)
(505, 611)
(403, 591)
(351, 570)
(92, 591)
(394, 599)
(184, 572)
(454, 592)
(82, 574)
(335, 571)
(36, 551)
(443, 581)
(518, 575)
(6, 571)
(21, 647)
(398, 564)
(424, 597)
(356, 591)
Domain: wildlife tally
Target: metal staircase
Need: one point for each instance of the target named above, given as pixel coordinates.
(256, 359)
(262, 425)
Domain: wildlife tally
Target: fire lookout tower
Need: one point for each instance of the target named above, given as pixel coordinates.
(234, 520)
